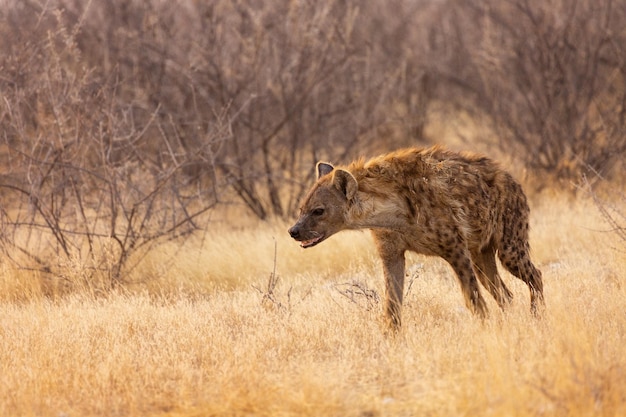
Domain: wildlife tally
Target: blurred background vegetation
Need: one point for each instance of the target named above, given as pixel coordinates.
(127, 122)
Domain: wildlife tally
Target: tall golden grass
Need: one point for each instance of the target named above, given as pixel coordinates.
(200, 337)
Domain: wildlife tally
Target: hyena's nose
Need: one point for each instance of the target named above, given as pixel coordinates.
(294, 232)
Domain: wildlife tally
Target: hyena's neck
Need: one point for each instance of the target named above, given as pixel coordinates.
(375, 212)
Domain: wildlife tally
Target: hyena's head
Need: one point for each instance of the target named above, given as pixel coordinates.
(323, 212)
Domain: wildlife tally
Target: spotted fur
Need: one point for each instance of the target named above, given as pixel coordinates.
(461, 207)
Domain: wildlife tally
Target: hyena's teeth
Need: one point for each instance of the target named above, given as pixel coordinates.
(310, 242)
(306, 243)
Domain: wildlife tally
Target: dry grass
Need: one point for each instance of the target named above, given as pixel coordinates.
(197, 339)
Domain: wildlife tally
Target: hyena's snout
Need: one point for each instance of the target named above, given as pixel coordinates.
(294, 231)
(305, 236)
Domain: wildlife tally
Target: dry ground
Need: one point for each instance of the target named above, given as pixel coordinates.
(198, 338)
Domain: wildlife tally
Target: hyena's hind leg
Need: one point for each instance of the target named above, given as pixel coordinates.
(487, 272)
(513, 247)
(460, 261)
(514, 253)
(517, 262)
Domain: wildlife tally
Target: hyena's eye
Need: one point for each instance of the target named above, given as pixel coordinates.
(317, 212)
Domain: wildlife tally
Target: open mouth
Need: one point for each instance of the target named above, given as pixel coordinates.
(311, 242)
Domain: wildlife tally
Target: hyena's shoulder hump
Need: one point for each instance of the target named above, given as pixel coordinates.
(400, 166)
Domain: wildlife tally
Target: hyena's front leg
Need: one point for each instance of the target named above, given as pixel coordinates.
(392, 254)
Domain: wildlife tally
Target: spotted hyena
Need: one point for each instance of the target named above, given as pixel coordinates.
(459, 206)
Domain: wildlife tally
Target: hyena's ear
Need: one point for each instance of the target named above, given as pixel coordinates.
(323, 168)
(346, 182)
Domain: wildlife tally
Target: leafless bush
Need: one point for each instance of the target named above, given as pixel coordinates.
(269, 295)
(123, 122)
(271, 298)
(611, 207)
(299, 73)
(78, 185)
(358, 293)
(550, 74)
(299, 81)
